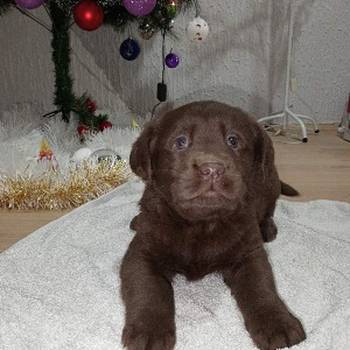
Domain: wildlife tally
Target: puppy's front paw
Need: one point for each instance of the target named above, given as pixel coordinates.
(272, 330)
(142, 336)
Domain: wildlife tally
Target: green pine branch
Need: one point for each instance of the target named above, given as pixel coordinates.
(86, 116)
(5, 6)
(64, 97)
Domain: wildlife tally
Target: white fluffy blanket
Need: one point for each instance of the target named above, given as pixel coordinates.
(59, 287)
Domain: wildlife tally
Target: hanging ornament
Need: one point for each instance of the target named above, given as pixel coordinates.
(139, 7)
(88, 15)
(146, 30)
(172, 60)
(198, 29)
(29, 4)
(129, 49)
(171, 9)
(105, 125)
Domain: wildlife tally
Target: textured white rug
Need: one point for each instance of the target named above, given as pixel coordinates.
(59, 287)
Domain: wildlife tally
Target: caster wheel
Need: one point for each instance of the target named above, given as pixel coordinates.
(304, 139)
(317, 131)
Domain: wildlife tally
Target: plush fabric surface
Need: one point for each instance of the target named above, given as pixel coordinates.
(59, 287)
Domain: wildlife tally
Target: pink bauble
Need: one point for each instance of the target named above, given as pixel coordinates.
(139, 7)
(29, 4)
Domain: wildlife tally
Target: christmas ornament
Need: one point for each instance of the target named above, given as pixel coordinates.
(82, 129)
(106, 156)
(129, 49)
(91, 105)
(134, 124)
(146, 30)
(45, 151)
(171, 9)
(81, 154)
(105, 125)
(88, 15)
(139, 7)
(29, 4)
(46, 155)
(198, 30)
(172, 60)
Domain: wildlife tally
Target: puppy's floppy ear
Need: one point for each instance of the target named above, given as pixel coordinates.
(140, 156)
(263, 148)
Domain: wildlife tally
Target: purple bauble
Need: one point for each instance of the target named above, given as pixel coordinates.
(172, 60)
(139, 7)
(29, 4)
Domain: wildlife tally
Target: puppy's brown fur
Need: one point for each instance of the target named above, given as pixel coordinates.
(211, 189)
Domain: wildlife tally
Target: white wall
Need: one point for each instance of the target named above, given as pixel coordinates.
(321, 57)
(242, 62)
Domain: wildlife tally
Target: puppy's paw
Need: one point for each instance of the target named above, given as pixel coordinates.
(268, 230)
(272, 330)
(144, 337)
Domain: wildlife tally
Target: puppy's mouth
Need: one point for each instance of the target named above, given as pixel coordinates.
(208, 192)
(201, 200)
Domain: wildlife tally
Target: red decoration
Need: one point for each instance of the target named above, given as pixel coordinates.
(88, 15)
(45, 155)
(91, 105)
(105, 125)
(45, 151)
(82, 129)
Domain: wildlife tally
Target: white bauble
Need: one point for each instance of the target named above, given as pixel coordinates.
(198, 29)
(81, 154)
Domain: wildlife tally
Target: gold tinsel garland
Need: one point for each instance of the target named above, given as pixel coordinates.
(52, 190)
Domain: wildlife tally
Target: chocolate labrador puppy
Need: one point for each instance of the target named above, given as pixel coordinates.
(210, 192)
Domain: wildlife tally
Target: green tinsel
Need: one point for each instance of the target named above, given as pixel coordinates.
(86, 116)
(64, 98)
(5, 5)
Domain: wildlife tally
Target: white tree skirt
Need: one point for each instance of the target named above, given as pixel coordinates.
(59, 287)
(22, 131)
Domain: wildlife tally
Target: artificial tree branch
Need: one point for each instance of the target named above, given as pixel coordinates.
(197, 8)
(64, 97)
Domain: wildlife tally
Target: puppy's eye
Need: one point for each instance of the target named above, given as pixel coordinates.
(232, 140)
(181, 142)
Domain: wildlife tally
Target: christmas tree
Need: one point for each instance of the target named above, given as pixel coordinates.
(150, 16)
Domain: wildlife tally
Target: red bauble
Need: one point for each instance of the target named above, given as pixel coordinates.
(105, 125)
(88, 15)
(82, 129)
(91, 105)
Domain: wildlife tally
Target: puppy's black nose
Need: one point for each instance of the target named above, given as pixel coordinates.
(211, 170)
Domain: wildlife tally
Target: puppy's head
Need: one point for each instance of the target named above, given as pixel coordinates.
(200, 158)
